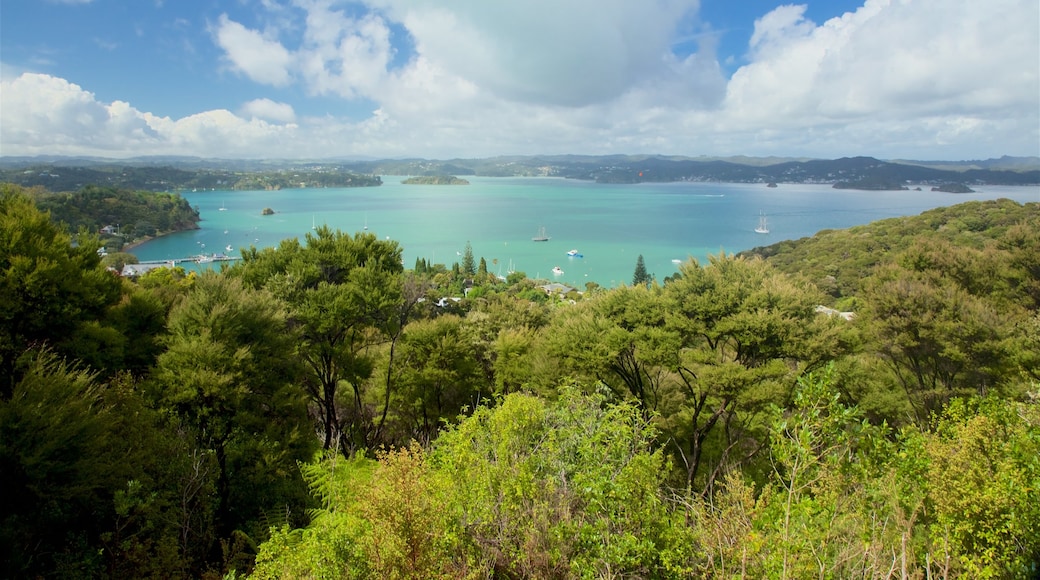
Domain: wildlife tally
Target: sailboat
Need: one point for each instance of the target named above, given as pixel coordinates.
(222, 208)
(763, 227)
(541, 237)
(313, 226)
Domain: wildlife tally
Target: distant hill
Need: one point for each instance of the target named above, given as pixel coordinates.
(1004, 163)
(73, 175)
(172, 173)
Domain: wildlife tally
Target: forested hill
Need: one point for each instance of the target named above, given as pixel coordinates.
(67, 176)
(129, 215)
(165, 174)
(838, 261)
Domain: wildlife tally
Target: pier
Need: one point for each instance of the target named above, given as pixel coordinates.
(200, 259)
(131, 270)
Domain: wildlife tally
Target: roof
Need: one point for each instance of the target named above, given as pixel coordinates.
(557, 287)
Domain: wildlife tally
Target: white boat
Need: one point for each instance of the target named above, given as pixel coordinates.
(313, 227)
(203, 259)
(541, 237)
(228, 248)
(574, 254)
(763, 227)
(676, 261)
(222, 208)
(557, 271)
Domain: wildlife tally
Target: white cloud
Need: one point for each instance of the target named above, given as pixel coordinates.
(41, 111)
(896, 78)
(545, 51)
(47, 115)
(249, 52)
(895, 71)
(269, 110)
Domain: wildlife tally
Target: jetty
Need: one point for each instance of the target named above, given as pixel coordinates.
(132, 270)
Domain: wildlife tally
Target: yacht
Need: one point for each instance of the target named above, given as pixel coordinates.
(557, 271)
(763, 227)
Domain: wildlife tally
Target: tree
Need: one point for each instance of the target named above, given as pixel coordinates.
(88, 480)
(51, 285)
(746, 333)
(345, 296)
(436, 377)
(640, 277)
(229, 377)
(938, 340)
(469, 266)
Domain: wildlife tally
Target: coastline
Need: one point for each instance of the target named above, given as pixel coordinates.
(137, 242)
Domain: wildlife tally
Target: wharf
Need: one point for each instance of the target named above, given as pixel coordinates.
(201, 259)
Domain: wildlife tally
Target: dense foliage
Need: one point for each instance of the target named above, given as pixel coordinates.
(128, 215)
(316, 410)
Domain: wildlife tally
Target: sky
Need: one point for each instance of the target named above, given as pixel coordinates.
(442, 79)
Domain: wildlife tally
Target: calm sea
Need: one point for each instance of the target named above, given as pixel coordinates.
(609, 225)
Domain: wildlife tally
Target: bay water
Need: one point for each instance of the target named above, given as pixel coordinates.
(610, 225)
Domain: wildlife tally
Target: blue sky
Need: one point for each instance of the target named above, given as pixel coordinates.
(921, 79)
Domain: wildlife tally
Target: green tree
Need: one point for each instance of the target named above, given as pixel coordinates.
(88, 485)
(640, 277)
(229, 377)
(746, 332)
(437, 376)
(469, 265)
(345, 295)
(938, 340)
(51, 286)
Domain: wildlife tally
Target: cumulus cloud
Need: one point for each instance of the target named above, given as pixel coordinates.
(249, 52)
(269, 110)
(40, 111)
(934, 78)
(920, 71)
(545, 51)
(48, 115)
(542, 52)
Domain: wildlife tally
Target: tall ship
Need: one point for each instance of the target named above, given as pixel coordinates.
(763, 227)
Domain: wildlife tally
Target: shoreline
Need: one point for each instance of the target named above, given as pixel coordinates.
(127, 247)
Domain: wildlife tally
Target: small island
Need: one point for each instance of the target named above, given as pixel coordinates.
(953, 188)
(267, 211)
(435, 180)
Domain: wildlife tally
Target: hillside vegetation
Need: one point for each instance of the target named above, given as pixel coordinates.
(316, 410)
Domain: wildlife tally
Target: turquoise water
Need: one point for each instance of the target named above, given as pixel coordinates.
(610, 225)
